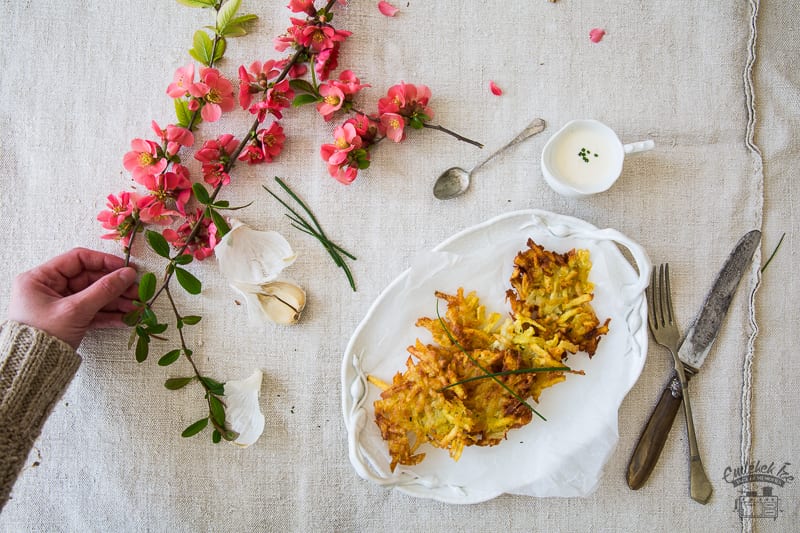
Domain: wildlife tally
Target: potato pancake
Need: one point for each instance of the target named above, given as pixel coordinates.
(445, 397)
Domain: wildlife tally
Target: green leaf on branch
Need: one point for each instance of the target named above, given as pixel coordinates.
(149, 317)
(187, 280)
(191, 320)
(184, 259)
(304, 99)
(226, 206)
(132, 318)
(203, 47)
(195, 428)
(219, 222)
(157, 242)
(302, 86)
(177, 383)
(217, 410)
(182, 112)
(237, 27)
(169, 358)
(226, 15)
(201, 193)
(147, 286)
(157, 329)
(142, 348)
(416, 123)
(214, 386)
(216, 437)
(197, 3)
(219, 51)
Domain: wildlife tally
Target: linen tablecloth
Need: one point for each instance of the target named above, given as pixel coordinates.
(80, 79)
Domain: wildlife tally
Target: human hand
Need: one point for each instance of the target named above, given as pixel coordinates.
(74, 292)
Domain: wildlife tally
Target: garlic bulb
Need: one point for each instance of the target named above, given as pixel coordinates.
(251, 261)
(281, 301)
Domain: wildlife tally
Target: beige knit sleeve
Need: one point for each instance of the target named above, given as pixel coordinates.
(35, 369)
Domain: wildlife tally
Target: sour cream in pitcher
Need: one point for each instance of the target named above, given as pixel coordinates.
(585, 157)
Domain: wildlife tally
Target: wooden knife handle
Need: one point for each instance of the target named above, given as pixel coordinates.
(654, 436)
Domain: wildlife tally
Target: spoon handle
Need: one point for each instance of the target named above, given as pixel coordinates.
(535, 127)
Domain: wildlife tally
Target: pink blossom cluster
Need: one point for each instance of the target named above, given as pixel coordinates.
(405, 105)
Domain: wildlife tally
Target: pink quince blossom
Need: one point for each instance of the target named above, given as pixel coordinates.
(407, 100)
(347, 153)
(267, 145)
(332, 100)
(153, 211)
(277, 97)
(327, 61)
(119, 208)
(387, 9)
(349, 83)
(174, 136)
(183, 82)
(175, 186)
(215, 154)
(255, 80)
(365, 127)
(343, 174)
(394, 126)
(336, 93)
(319, 37)
(214, 92)
(121, 216)
(271, 140)
(302, 6)
(203, 243)
(345, 140)
(143, 159)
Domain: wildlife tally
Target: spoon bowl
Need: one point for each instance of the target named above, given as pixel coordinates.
(455, 180)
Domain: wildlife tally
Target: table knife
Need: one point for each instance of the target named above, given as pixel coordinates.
(692, 352)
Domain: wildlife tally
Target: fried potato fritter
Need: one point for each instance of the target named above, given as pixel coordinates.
(554, 291)
(430, 402)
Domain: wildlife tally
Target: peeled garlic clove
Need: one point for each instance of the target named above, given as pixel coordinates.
(281, 301)
(247, 255)
(242, 413)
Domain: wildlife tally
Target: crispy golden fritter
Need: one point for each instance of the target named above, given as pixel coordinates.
(554, 291)
(422, 404)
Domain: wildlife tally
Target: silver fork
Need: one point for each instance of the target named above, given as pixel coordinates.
(665, 331)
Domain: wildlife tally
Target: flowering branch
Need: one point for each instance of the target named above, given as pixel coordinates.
(266, 89)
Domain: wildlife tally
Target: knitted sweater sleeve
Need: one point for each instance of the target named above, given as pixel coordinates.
(35, 370)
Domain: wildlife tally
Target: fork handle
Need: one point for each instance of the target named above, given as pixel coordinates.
(655, 433)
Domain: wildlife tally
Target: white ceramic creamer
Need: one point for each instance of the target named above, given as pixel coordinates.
(585, 157)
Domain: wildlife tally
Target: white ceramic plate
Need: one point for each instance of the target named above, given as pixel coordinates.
(563, 456)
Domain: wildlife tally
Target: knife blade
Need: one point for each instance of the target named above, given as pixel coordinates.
(693, 351)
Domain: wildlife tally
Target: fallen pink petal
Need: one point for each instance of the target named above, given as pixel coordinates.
(596, 35)
(387, 9)
(497, 91)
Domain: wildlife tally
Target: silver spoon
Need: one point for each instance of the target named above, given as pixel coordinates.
(455, 181)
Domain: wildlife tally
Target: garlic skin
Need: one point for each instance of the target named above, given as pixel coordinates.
(281, 301)
(242, 412)
(251, 261)
(247, 255)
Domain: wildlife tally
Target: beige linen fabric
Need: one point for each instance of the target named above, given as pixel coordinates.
(82, 79)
